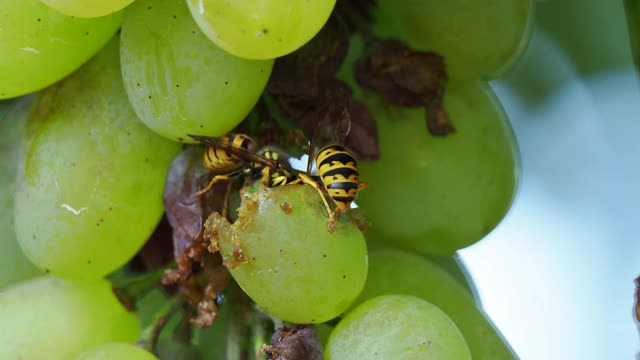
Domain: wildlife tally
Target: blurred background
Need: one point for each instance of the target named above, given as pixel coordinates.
(557, 275)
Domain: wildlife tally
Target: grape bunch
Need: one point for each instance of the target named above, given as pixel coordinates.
(111, 250)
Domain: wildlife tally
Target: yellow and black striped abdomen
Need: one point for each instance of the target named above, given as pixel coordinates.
(338, 170)
(218, 159)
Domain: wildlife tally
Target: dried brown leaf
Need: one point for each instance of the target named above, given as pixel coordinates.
(297, 343)
(204, 290)
(356, 14)
(363, 137)
(405, 77)
(207, 309)
(187, 214)
(304, 87)
(323, 119)
(270, 133)
(302, 73)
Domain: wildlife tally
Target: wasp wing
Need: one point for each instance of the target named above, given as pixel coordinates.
(240, 153)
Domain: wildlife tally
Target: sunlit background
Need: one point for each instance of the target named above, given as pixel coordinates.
(557, 275)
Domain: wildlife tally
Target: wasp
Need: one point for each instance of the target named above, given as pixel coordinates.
(338, 175)
(234, 155)
(223, 155)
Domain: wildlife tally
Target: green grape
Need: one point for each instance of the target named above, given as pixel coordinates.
(323, 331)
(91, 192)
(49, 318)
(120, 351)
(295, 270)
(399, 272)
(87, 9)
(451, 263)
(39, 46)
(454, 266)
(259, 29)
(14, 266)
(396, 327)
(450, 191)
(178, 82)
(477, 38)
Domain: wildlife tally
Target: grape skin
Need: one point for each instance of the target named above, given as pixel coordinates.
(451, 264)
(178, 82)
(260, 30)
(119, 351)
(49, 318)
(48, 46)
(478, 38)
(393, 271)
(91, 192)
(451, 191)
(87, 8)
(396, 327)
(14, 266)
(296, 270)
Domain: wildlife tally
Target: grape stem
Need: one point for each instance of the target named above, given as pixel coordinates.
(259, 334)
(237, 331)
(182, 332)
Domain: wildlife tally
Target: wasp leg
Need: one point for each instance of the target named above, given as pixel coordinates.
(362, 186)
(337, 212)
(280, 180)
(216, 179)
(310, 181)
(213, 181)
